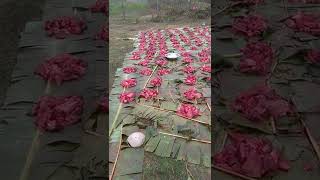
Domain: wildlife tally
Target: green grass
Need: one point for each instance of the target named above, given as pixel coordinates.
(131, 9)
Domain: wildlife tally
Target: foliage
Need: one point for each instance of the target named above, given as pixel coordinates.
(130, 8)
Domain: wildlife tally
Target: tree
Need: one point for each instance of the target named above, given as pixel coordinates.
(123, 6)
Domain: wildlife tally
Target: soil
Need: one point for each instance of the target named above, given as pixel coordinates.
(13, 16)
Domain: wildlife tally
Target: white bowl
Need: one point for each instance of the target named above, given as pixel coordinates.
(136, 139)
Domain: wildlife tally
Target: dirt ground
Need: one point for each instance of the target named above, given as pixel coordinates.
(13, 16)
(120, 31)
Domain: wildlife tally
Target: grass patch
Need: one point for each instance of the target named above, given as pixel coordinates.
(130, 9)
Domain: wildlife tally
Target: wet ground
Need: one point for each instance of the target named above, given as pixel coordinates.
(13, 16)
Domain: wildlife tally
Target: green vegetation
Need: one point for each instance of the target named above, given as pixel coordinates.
(131, 9)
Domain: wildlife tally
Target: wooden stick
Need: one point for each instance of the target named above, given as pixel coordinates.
(34, 145)
(208, 106)
(178, 136)
(232, 55)
(145, 85)
(285, 7)
(30, 156)
(272, 70)
(195, 120)
(48, 88)
(94, 133)
(117, 157)
(233, 173)
(75, 11)
(117, 115)
(225, 137)
(313, 142)
(189, 172)
(273, 125)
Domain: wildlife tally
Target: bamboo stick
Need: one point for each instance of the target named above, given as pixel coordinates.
(34, 145)
(145, 85)
(312, 140)
(208, 106)
(117, 115)
(183, 137)
(273, 125)
(117, 157)
(189, 172)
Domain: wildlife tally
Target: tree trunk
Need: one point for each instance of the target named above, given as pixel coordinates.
(123, 9)
(158, 8)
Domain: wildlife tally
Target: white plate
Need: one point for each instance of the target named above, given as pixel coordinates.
(172, 55)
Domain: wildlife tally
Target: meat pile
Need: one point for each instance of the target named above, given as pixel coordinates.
(55, 113)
